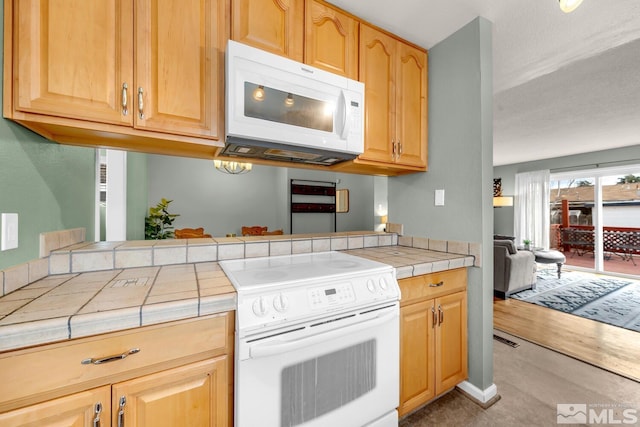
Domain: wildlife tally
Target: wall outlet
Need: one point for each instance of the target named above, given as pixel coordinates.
(9, 232)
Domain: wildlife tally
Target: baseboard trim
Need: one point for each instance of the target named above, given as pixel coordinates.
(484, 398)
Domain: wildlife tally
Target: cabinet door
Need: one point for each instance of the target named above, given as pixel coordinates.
(331, 41)
(411, 114)
(194, 395)
(451, 341)
(272, 25)
(378, 72)
(179, 66)
(417, 352)
(72, 58)
(76, 410)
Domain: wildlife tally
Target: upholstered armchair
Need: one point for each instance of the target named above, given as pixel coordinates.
(513, 270)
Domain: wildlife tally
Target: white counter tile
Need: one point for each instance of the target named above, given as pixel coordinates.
(301, 246)
(169, 255)
(320, 244)
(282, 247)
(204, 253)
(100, 322)
(91, 261)
(133, 258)
(168, 311)
(34, 332)
(254, 250)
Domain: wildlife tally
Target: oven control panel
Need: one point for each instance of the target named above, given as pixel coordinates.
(273, 308)
(329, 295)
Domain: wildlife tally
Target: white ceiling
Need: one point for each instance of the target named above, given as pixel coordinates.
(563, 83)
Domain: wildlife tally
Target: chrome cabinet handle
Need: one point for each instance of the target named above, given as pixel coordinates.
(141, 103)
(440, 315)
(399, 148)
(436, 285)
(125, 101)
(123, 401)
(393, 149)
(98, 410)
(101, 360)
(434, 317)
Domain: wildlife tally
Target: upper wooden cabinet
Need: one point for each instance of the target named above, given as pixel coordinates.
(148, 76)
(133, 74)
(331, 39)
(178, 71)
(72, 58)
(395, 78)
(272, 25)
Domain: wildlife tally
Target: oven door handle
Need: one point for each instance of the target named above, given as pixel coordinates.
(280, 346)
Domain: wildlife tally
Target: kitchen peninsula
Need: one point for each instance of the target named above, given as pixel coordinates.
(159, 292)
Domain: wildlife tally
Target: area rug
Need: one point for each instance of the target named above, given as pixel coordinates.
(607, 299)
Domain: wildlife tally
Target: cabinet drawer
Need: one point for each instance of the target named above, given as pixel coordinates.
(432, 285)
(45, 372)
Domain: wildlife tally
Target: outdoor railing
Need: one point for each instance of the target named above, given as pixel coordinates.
(624, 241)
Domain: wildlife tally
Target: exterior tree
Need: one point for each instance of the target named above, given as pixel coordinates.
(628, 179)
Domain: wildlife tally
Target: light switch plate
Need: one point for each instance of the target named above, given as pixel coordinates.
(440, 197)
(9, 232)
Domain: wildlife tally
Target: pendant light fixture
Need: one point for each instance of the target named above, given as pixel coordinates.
(568, 6)
(231, 167)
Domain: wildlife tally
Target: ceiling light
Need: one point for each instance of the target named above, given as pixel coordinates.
(231, 167)
(258, 93)
(569, 5)
(289, 101)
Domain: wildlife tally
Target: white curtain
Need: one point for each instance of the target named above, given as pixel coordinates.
(531, 208)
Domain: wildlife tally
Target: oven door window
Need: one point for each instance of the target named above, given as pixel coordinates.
(266, 103)
(334, 371)
(320, 385)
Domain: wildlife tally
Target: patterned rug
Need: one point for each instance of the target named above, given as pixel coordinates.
(606, 299)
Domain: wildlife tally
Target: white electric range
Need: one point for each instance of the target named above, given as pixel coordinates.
(317, 340)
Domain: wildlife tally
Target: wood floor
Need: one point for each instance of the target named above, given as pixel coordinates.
(609, 347)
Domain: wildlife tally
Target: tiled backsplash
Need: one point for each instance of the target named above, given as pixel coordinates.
(78, 256)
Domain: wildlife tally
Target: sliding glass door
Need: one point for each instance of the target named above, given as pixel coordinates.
(572, 218)
(621, 222)
(595, 219)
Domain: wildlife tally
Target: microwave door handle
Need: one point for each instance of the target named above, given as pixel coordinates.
(278, 347)
(345, 115)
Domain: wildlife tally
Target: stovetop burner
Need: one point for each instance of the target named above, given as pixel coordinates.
(282, 270)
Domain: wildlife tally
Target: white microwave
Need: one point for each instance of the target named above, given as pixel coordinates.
(279, 109)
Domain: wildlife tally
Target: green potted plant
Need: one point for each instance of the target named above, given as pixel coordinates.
(158, 224)
(527, 244)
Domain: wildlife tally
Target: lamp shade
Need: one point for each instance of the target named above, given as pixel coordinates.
(568, 6)
(501, 201)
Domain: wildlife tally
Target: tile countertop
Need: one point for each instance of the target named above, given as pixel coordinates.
(73, 305)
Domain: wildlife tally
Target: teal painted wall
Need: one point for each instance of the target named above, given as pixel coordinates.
(50, 186)
(503, 217)
(460, 162)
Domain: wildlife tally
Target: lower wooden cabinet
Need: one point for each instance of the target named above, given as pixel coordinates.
(194, 395)
(433, 336)
(87, 408)
(192, 387)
